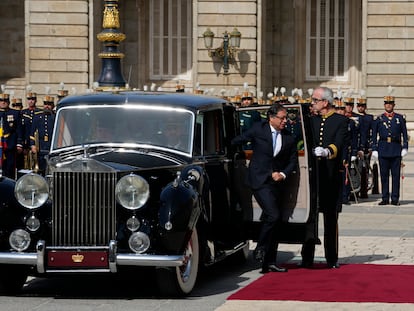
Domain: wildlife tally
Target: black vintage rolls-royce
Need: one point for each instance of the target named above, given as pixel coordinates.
(143, 179)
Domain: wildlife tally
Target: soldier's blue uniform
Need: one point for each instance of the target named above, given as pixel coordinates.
(43, 123)
(11, 140)
(389, 137)
(350, 150)
(365, 145)
(27, 119)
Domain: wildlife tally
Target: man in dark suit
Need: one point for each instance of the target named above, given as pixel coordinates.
(330, 136)
(274, 159)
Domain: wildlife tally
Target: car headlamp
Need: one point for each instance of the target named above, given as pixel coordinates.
(132, 191)
(31, 190)
(19, 240)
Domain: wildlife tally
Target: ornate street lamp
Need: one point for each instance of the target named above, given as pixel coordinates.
(227, 50)
(111, 73)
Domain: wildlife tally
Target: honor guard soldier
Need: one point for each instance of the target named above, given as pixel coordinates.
(61, 94)
(11, 136)
(27, 118)
(17, 104)
(41, 132)
(365, 144)
(352, 178)
(389, 146)
(247, 118)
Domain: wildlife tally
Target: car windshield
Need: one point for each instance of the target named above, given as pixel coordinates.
(126, 124)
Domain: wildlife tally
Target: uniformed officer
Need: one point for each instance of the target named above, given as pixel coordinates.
(365, 144)
(61, 94)
(389, 146)
(352, 179)
(27, 118)
(43, 122)
(247, 118)
(329, 134)
(17, 104)
(11, 136)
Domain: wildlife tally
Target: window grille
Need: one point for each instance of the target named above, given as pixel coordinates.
(327, 40)
(170, 39)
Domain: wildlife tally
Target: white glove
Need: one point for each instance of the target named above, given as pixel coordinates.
(404, 152)
(374, 156)
(321, 152)
(353, 158)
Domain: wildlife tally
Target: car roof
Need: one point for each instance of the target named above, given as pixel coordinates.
(179, 100)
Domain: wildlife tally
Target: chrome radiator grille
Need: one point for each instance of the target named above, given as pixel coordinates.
(84, 208)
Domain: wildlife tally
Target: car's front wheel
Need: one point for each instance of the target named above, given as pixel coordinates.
(180, 281)
(12, 279)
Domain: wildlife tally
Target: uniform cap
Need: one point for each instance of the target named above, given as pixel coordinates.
(247, 95)
(62, 93)
(49, 99)
(17, 102)
(339, 103)
(349, 100)
(180, 88)
(31, 95)
(361, 101)
(389, 99)
(4, 97)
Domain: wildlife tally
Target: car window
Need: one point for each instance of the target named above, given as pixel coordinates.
(210, 133)
(170, 128)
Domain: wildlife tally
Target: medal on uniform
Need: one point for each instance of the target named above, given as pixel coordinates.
(388, 139)
(46, 138)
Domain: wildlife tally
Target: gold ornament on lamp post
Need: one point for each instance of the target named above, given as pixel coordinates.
(111, 73)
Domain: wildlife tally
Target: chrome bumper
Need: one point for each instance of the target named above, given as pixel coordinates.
(143, 260)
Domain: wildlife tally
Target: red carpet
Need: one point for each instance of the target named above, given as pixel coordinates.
(350, 283)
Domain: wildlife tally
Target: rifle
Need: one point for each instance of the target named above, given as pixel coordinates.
(33, 157)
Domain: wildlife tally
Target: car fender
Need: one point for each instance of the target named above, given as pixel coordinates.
(11, 213)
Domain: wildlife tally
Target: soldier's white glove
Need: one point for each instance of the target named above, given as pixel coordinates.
(353, 158)
(374, 156)
(404, 152)
(321, 152)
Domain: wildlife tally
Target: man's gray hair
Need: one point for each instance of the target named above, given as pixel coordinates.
(327, 94)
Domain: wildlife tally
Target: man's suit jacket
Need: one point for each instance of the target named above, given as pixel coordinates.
(263, 163)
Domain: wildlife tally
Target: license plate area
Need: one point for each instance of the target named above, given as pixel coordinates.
(77, 259)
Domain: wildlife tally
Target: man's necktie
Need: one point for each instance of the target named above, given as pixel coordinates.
(274, 136)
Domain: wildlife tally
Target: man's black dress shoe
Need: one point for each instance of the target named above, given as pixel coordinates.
(383, 202)
(333, 265)
(259, 254)
(273, 268)
(396, 203)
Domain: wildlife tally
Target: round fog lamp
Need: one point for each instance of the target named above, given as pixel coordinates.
(19, 240)
(133, 224)
(32, 223)
(139, 242)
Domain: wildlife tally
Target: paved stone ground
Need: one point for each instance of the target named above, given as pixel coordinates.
(368, 234)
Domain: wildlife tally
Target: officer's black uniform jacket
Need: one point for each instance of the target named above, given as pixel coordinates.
(329, 131)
